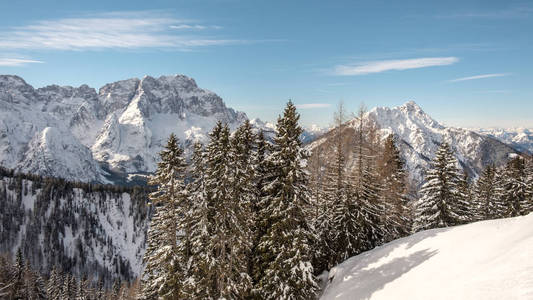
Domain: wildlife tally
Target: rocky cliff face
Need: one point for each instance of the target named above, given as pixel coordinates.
(122, 126)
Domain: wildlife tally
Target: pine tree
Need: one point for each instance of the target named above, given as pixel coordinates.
(371, 227)
(514, 189)
(115, 289)
(69, 287)
(82, 292)
(488, 204)
(222, 193)
(165, 257)
(259, 226)
(529, 179)
(231, 239)
(440, 205)
(285, 248)
(18, 286)
(465, 201)
(199, 284)
(5, 271)
(54, 284)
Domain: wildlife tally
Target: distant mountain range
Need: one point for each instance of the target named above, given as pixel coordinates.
(72, 132)
(79, 133)
(419, 136)
(519, 138)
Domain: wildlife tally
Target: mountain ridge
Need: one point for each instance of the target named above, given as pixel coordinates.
(419, 136)
(123, 125)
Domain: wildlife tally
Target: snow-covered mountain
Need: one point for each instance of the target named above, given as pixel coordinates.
(68, 132)
(309, 134)
(419, 137)
(519, 138)
(483, 260)
(313, 132)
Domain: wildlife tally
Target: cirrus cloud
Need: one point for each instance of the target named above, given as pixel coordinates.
(388, 65)
(483, 76)
(16, 62)
(127, 30)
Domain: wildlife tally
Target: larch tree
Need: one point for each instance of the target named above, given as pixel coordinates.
(338, 231)
(285, 247)
(365, 186)
(397, 216)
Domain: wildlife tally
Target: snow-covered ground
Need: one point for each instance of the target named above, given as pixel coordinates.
(484, 260)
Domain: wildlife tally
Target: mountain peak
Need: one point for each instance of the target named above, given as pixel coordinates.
(411, 105)
(11, 81)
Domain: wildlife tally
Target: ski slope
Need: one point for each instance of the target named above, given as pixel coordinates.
(484, 260)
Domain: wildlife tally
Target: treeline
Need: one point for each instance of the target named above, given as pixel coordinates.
(360, 205)
(253, 223)
(240, 228)
(449, 197)
(65, 185)
(19, 281)
(54, 222)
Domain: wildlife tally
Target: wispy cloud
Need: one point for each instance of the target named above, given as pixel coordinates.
(387, 65)
(508, 13)
(16, 62)
(194, 27)
(480, 77)
(312, 105)
(111, 30)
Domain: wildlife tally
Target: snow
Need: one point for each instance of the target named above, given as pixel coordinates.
(520, 138)
(483, 260)
(120, 231)
(419, 136)
(124, 125)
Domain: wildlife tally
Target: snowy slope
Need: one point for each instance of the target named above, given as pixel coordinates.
(419, 136)
(484, 260)
(52, 152)
(520, 138)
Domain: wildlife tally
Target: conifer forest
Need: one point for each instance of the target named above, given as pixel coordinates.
(248, 217)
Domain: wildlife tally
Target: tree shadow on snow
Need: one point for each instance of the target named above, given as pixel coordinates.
(362, 282)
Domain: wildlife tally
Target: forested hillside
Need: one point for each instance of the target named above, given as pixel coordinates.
(82, 229)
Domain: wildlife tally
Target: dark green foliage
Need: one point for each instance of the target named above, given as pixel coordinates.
(515, 194)
(168, 245)
(441, 204)
(285, 247)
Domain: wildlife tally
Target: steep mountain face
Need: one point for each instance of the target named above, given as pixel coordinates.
(122, 126)
(419, 136)
(93, 231)
(52, 152)
(519, 138)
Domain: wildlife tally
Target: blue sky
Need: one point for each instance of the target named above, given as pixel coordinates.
(467, 63)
